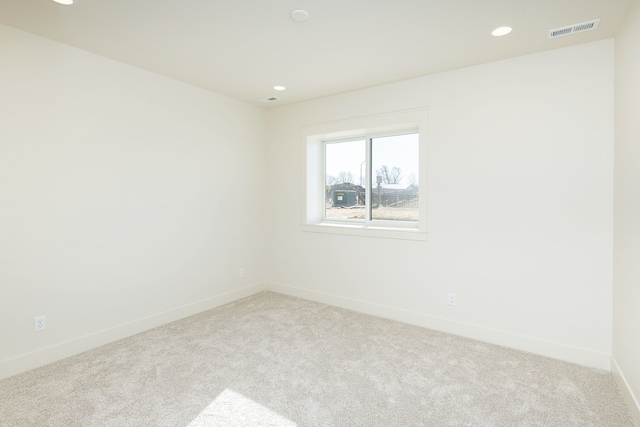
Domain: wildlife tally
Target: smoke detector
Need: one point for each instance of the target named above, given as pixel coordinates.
(576, 28)
(299, 15)
(269, 99)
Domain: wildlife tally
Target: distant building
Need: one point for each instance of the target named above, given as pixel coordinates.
(396, 195)
(407, 189)
(345, 194)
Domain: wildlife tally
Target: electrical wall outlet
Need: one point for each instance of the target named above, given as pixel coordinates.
(241, 271)
(39, 323)
(452, 299)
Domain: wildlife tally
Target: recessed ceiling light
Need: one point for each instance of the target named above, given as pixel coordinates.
(299, 15)
(501, 31)
(67, 2)
(279, 88)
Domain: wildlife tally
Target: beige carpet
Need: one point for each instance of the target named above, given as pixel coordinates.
(273, 360)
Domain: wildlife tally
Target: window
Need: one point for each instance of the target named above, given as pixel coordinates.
(363, 176)
(373, 178)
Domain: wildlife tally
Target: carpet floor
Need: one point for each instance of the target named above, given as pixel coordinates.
(274, 360)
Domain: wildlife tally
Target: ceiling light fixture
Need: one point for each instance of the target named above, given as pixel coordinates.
(279, 88)
(65, 2)
(299, 15)
(501, 31)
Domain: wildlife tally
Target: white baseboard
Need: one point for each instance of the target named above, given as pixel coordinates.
(35, 359)
(25, 362)
(554, 350)
(632, 402)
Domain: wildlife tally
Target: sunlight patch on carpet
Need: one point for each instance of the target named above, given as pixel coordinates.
(233, 409)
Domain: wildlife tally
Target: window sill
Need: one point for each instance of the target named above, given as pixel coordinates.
(366, 231)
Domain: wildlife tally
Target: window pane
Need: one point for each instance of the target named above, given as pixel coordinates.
(394, 170)
(344, 180)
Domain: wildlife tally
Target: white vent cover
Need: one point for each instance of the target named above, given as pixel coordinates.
(269, 99)
(576, 28)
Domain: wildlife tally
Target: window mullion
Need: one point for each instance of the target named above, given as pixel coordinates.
(322, 183)
(368, 205)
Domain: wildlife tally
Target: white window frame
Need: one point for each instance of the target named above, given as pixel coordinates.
(314, 138)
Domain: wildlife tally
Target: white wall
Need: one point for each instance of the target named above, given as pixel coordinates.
(117, 213)
(626, 290)
(520, 195)
(126, 199)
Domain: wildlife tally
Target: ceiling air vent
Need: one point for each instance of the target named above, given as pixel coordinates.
(571, 29)
(269, 99)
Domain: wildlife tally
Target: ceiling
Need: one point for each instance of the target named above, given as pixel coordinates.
(242, 48)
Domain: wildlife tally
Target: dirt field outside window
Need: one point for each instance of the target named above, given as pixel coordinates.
(383, 213)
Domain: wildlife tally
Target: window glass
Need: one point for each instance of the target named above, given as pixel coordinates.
(345, 170)
(394, 188)
(392, 175)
